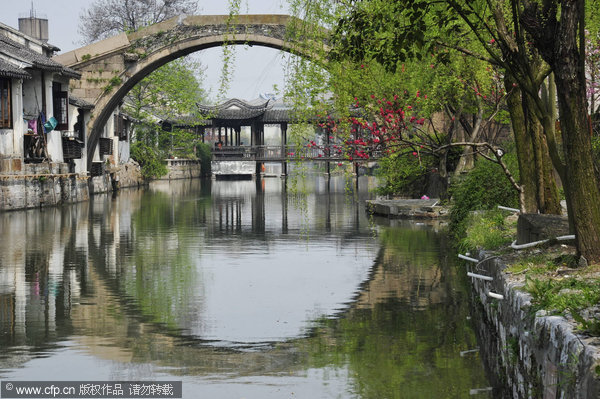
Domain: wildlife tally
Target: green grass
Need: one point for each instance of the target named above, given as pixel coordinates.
(536, 264)
(560, 295)
(488, 230)
(559, 287)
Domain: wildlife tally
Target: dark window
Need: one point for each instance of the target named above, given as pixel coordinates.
(60, 100)
(79, 127)
(121, 127)
(5, 104)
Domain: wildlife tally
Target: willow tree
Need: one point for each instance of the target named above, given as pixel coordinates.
(394, 32)
(464, 89)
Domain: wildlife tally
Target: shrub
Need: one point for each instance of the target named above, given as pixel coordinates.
(483, 188)
(204, 154)
(487, 229)
(403, 175)
(150, 161)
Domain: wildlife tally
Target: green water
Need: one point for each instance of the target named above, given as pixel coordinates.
(240, 290)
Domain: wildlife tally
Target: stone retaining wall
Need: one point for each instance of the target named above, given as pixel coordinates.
(32, 191)
(34, 185)
(49, 184)
(123, 176)
(534, 355)
(182, 169)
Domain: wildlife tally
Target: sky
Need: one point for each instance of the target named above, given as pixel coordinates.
(258, 69)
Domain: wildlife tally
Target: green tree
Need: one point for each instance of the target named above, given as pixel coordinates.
(430, 83)
(534, 39)
(393, 33)
(557, 30)
(168, 94)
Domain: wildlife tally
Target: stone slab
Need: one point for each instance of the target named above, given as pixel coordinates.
(535, 227)
(407, 208)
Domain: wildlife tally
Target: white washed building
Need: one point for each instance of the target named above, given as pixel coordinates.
(34, 90)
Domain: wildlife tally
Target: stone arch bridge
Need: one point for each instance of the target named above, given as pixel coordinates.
(111, 67)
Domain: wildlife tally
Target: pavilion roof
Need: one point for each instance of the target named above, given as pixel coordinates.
(234, 109)
(236, 112)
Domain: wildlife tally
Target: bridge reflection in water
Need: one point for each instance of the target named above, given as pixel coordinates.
(237, 290)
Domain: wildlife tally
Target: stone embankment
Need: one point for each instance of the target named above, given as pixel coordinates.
(535, 355)
(123, 176)
(24, 186)
(407, 208)
(182, 169)
(49, 184)
(37, 185)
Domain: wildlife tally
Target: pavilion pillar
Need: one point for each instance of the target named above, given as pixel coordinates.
(327, 154)
(283, 127)
(260, 141)
(220, 136)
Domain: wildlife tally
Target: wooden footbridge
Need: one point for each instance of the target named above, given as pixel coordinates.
(222, 127)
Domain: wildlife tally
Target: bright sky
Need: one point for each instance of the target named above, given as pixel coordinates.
(257, 69)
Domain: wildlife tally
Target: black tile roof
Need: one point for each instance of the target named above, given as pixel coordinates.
(71, 73)
(9, 70)
(79, 103)
(20, 52)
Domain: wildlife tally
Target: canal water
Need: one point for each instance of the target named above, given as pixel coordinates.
(239, 289)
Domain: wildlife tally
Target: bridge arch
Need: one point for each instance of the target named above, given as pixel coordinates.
(112, 67)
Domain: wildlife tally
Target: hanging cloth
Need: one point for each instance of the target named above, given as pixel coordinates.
(50, 125)
(32, 126)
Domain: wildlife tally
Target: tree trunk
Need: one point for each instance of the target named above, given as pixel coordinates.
(582, 187)
(524, 147)
(467, 158)
(547, 192)
(568, 65)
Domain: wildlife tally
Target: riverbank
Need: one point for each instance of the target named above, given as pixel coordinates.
(535, 353)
